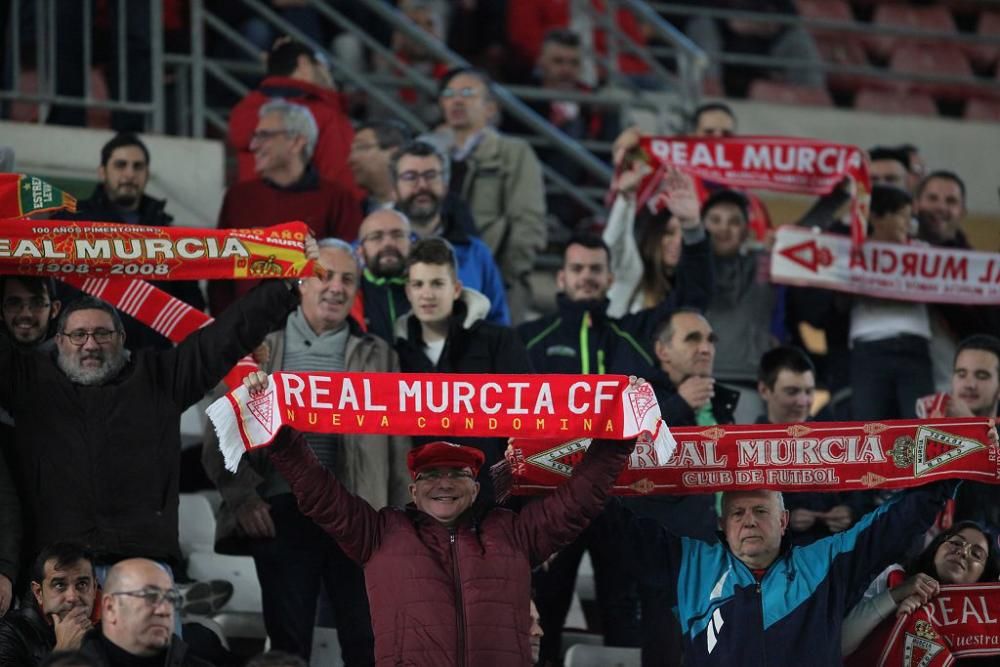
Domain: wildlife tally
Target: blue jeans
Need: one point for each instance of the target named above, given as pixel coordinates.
(291, 568)
(888, 376)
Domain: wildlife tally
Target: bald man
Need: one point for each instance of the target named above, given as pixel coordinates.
(137, 619)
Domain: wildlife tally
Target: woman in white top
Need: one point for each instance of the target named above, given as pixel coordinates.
(645, 244)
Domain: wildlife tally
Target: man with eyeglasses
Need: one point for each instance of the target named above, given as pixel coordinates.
(30, 307)
(259, 515)
(138, 604)
(423, 209)
(449, 579)
(500, 179)
(372, 149)
(97, 436)
(60, 611)
(288, 187)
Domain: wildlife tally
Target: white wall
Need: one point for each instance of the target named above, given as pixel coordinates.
(188, 173)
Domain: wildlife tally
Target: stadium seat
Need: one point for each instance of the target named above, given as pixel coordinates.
(985, 110)
(888, 102)
(937, 60)
(934, 18)
(238, 570)
(762, 90)
(582, 655)
(984, 55)
(841, 51)
(826, 10)
(196, 524)
(27, 112)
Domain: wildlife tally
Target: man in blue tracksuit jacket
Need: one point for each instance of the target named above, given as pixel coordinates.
(752, 600)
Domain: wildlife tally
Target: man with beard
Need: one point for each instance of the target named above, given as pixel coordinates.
(121, 197)
(63, 588)
(939, 205)
(138, 605)
(98, 427)
(30, 307)
(423, 207)
(294, 557)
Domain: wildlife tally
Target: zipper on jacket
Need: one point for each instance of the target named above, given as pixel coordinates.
(459, 604)
(392, 310)
(600, 362)
(585, 344)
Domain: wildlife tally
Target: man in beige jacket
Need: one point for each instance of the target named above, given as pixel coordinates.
(259, 514)
(499, 177)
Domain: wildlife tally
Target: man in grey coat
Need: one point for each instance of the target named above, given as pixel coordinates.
(259, 514)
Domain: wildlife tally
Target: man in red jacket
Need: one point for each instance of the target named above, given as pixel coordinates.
(297, 74)
(287, 188)
(449, 581)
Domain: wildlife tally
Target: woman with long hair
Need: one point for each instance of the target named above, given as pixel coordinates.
(963, 554)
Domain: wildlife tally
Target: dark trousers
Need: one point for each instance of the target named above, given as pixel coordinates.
(888, 376)
(291, 568)
(616, 588)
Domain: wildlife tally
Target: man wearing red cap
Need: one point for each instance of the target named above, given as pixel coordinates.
(449, 583)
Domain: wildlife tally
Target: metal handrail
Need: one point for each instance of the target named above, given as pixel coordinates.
(858, 27)
(345, 73)
(505, 99)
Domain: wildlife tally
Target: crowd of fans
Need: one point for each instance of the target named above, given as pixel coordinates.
(429, 243)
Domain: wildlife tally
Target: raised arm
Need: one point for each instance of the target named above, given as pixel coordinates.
(547, 525)
(348, 519)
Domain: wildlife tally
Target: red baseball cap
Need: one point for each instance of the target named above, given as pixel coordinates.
(443, 454)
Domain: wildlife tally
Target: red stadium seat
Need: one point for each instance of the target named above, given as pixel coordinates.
(763, 90)
(933, 18)
(982, 54)
(840, 51)
(985, 110)
(888, 102)
(934, 60)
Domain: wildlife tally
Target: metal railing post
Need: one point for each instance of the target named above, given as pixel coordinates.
(197, 69)
(159, 96)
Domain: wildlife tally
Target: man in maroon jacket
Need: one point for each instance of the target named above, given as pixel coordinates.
(297, 74)
(287, 188)
(449, 582)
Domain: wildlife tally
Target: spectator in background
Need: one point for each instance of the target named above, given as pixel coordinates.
(288, 187)
(426, 15)
(478, 30)
(528, 21)
(559, 70)
(293, 556)
(744, 302)
(138, 603)
(645, 246)
(371, 150)
(755, 37)
(60, 611)
(939, 205)
(918, 168)
(121, 197)
(446, 332)
(535, 634)
(974, 392)
(713, 119)
(787, 384)
(889, 166)
(890, 353)
(499, 178)
(298, 74)
(30, 308)
(421, 175)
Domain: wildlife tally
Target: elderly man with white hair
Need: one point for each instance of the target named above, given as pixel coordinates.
(287, 187)
(754, 600)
